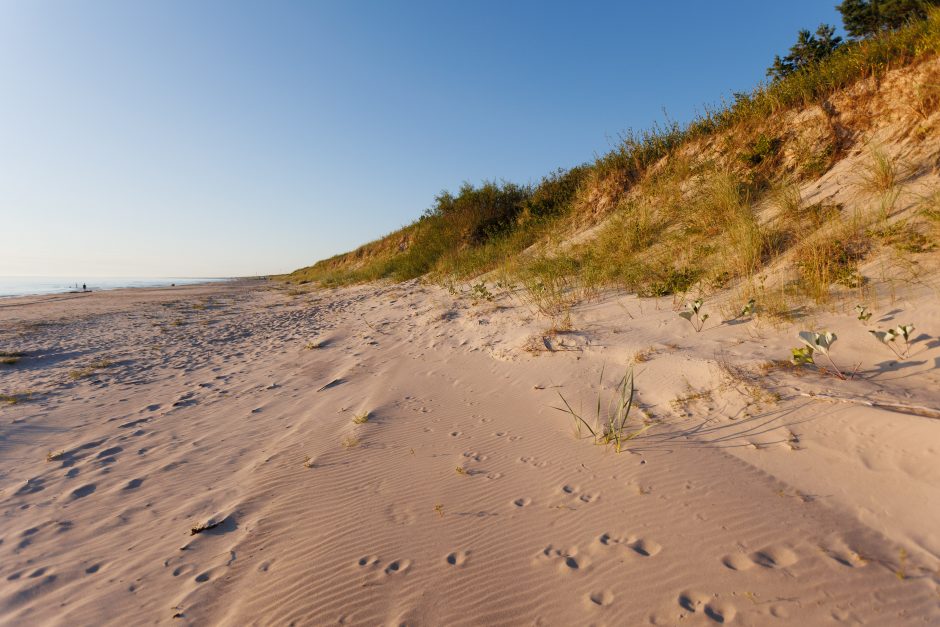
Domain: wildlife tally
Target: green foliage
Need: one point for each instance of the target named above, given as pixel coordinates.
(889, 337)
(816, 343)
(694, 314)
(762, 149)
(863, 314)
(808, 50)
(748, 309)
(864, 18)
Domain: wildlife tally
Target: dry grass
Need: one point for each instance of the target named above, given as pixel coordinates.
(90, 369)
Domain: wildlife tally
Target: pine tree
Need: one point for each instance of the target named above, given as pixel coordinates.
(809, 48)
(863, 18)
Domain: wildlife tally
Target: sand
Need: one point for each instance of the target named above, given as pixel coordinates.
(759, 495)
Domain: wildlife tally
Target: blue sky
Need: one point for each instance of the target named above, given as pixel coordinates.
(179, 138)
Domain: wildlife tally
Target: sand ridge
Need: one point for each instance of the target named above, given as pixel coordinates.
(463, 497)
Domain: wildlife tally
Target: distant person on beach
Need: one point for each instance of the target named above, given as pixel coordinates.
(84, 287)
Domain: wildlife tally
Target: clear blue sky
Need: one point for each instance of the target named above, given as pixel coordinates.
(194, 138)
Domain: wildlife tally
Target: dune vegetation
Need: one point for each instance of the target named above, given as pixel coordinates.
(718, 203)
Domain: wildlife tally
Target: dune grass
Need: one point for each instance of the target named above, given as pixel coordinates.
(679, 206)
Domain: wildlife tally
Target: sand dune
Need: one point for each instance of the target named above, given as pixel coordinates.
(757, 496)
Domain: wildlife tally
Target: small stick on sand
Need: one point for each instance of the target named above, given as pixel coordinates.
(915, 410)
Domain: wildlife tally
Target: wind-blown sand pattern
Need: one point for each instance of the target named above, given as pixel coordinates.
(464, 497)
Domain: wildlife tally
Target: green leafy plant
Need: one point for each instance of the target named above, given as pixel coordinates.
(816, 343)
(748, 309)
(694, 314)
(863, 314)
(611, 428)
(889, 337)
(479, 291)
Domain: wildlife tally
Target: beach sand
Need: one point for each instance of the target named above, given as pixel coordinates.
(759, 495)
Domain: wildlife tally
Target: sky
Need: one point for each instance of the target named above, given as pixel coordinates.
(198, 138)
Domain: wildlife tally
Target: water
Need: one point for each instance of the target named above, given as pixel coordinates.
(29, 285)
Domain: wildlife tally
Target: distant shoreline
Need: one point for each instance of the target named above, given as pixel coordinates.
(15, 287)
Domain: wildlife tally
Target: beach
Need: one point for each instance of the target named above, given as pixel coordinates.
(240, 453)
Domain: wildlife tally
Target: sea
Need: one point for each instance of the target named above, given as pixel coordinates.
(34, 285)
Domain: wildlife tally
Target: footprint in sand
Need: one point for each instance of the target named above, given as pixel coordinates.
(641, 546)
(737, 561)
(398, 566)
(564, 560)
(843, 554)
(457, 558)
(720, 611)
(575, 491)
(644, 547)
(83, 491)
(368, 561)
(455, 434)
(693, 601)
(775, 557)
(522, 502)
(601, 598)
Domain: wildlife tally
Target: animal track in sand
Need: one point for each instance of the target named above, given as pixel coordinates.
(133, 484)
(455, 434)
(368, 561)
(522, 502)
(641, 546)
(457, 558)
(565, 560)
(575, 491)
(398, 566)
(474, 456)
(400, 514)
(533, 461)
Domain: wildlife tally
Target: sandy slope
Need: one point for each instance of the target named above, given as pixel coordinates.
(736, 506)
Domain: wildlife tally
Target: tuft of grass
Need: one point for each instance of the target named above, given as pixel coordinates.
(361, 418)
(350, 441)
(53, 456)
(461, 471)
(643, 355)
(881, 174)
(15, 398)
(611, 427)
(10, 358)
(314, 345)
(90, 369)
